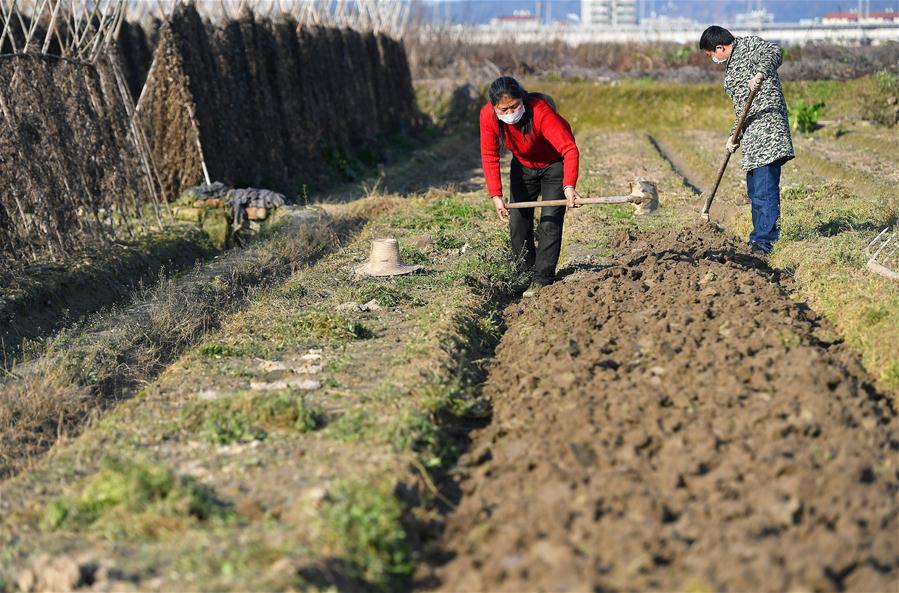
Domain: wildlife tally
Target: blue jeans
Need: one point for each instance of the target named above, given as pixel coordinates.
(763, 187)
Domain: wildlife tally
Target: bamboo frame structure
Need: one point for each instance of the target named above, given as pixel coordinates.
(83, 33)
(82, 29)
(392, 17)
(76, 33)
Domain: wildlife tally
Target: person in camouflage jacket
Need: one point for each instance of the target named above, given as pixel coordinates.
(753, 62)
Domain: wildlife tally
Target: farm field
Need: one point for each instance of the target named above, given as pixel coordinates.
(673, 414)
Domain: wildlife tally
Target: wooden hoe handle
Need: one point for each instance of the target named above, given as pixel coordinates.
(738, 132)
(604, 200)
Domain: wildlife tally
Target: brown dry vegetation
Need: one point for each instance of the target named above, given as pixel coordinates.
(44, 298)
(455, 58)
(270, 103)
(69, 165)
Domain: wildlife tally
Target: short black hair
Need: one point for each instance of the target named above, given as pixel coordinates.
(715, 36)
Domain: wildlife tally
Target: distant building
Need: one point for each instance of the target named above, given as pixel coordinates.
(668, 23)
(754, 18)
(520, 19)
(608, 13)
(833, 18)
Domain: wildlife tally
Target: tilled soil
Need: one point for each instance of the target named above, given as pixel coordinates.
(675, 422)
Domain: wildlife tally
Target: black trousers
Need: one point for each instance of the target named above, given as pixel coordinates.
(526, 185)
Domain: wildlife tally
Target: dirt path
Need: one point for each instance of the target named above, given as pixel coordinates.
(675, 422)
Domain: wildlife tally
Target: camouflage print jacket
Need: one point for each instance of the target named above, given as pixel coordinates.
(766, 133)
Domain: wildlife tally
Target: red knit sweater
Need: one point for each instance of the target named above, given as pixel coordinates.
(550, 141)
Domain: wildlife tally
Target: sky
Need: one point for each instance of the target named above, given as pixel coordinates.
(481, 11)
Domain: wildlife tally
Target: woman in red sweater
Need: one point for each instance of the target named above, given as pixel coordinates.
(544, 161)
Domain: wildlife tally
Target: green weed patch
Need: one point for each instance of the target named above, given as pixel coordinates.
(364, 522)
(443, 214)
(251, 416)
(489, 272)
(424, 430)
(217, 349)
(130, 497)
(386, 293)
(354, 426)
(329, 326)
(804, 116)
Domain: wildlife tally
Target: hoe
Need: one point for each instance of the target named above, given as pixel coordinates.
(643, 196)
(738, 133)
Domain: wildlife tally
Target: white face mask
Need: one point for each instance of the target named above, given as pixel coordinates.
(512, 118)
(717, 61)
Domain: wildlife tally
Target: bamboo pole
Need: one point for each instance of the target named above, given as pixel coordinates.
(150, 73)
(51, 27)
(122, 16)
(59, 39)
(35, 18)
(112, 26)
(81, 34)
(7, 16)
(305, 14)
(21, 24)
(101, 34)
(74, 28)
(7, 114)
(79, 43)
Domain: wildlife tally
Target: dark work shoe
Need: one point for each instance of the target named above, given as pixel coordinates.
(532, 290)
(760, 249)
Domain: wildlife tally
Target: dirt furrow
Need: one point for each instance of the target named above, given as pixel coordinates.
(676, 422)
(672, 160)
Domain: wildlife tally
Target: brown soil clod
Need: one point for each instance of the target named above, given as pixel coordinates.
(671, 422)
